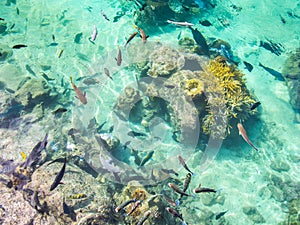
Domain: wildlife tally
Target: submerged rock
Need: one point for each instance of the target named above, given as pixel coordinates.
(280, 166)
(253, 214)
(5, 52)
(291, 73)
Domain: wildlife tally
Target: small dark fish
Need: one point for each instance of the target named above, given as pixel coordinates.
(219, 215)
(276, 74)
(200, 190)
(35, 154)
(248, 66)
(60, 160)
(124, 204)
(175, 214)
(106, 72)
(12, 26)
(200, 40)
(134, 207)
(146, 158)
(53, 37)
(136, 134)
(171, 86)
(177, 189)
(45, 76)
(119, 57)
(293, 15)
(59, 110)
(104, 15)
(18, 11)
(11, 91)
(205, 23)
(144, 218)
(78, 37)
(99, 128)
(19, 46)
(182, 162)
(130, 38)
(170, 172)
(187, 181)
(1, 19)
(28, 68)
(21, 84)
(125, 146)
(254, 105)
(59, 176)
(73, 131)
(69, 211)
(276, 49)
(53, 44)
(282, 19)
(137, 159)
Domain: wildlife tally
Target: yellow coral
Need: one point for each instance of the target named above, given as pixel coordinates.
(194, 87)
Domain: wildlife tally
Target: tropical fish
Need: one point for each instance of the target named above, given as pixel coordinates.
(177, 189)
(170, 201)
(35, 154)
(219, 215)
(59, 110)
(46, 77)
(205, 23)
(125, 146)
(77, 196)
(248, 66)
(104, 15)
(79, 94)
(182, 162)
(59, 176)
(19, 46)
(23, 155)
(134, 207)
(200, 40)
(106, 72)
(53, 37)
(28, 68)
(169, 171)
(78, 37)
(243, 133)
(254, 105)
(94, 34)
(144, 218)
(143, 35)
(130, 38)
(61, 160)
(187, 181)
(146, 158)
(124, 204)
(200, 190)
(136, 134)
(137, 159)
(119, 57)
(273, 72)
(183, 24)
(276, 49)
(175, 214)
(60, 53)
(69, 211)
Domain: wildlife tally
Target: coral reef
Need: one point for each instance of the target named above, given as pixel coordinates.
(194, 87)
(164, 61)
(126, 101)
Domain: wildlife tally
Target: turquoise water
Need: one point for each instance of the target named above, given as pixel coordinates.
(256, 187)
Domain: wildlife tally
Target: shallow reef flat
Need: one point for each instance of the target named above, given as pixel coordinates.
(149, 112)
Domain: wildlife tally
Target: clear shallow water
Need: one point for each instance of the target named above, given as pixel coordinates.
(244, 175)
